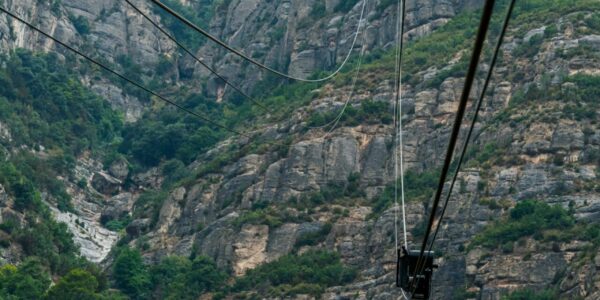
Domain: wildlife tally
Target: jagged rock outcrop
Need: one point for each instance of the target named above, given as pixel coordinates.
(295, 36)
(114, 31)
(105, 183)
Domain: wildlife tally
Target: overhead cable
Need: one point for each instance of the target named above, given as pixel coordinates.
(398, 134)
(334, 123)
(123, 77)
(470, 77)
(190, 24)
(190, 53)
(475, 117)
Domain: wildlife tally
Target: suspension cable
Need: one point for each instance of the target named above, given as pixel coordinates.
(190, 53)
(470, 77)
(398, 132)
(334, 122)
(338, 118)
(475, 117)
(123, 77)
(187, 22)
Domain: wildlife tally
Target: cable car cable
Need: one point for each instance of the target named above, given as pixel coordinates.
(398, 132)
(338, 118)
(475, 117)
(398, 138)
(333, 123)
(187, 22)
(470, 77)
(190, 53)
(95, 62)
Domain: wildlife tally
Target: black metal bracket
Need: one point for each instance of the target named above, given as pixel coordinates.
(406, 273)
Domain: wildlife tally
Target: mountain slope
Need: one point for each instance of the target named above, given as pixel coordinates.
(270, 215)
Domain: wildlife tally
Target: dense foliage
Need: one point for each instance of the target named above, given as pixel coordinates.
(28, 281)
(173, 278)
(49, 110)
(200, 17)
(45, 105)
(531, 295)
(32, 280)
(526, 219)
(170, 135)
(314, 237)
(52, 119)
(80, 284)
(538, 220)
(310, 272)
(130, 274)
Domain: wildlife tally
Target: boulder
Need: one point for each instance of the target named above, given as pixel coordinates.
(591, 40)
(117, 207)
(303, 64)
(119, 169)
(137, 227)
(567, 136)
(3, 197)
(106, 184)
(534, 32)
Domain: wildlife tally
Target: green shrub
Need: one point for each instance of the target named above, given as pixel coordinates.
(527, 294)
(164, 65)
(345, 6)
(119, 224)
(77, 284)
(528, 218)
(314, 267)
(318, 10)
(149, 204)
(82, 25)
(267, 216)
(199, 15)
(181, 278)
(369, 112)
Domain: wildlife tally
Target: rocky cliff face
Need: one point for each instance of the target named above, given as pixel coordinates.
(302, 37)
(110, 28)
(294, 36)
(537, 150)
(531, 156)
(115, 30)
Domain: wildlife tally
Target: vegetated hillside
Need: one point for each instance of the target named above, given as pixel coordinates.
(49, 120)
(198, 212)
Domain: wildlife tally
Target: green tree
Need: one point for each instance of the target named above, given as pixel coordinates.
(179, 278)
(30, 280)
(76, 285)
(130, 274)
(166, 276)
